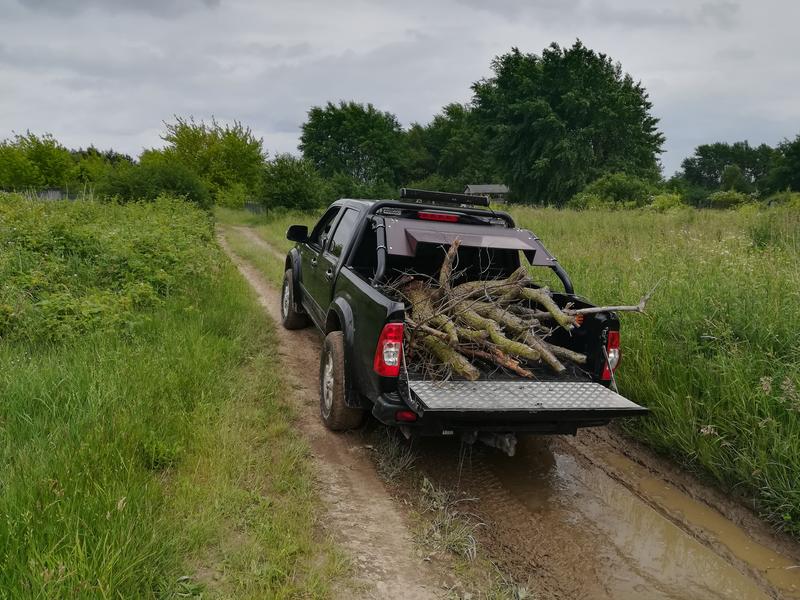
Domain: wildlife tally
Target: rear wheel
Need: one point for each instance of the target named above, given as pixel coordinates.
(290, 318)
(333, 387)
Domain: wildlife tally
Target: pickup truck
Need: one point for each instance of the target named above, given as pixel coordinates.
(333, 279)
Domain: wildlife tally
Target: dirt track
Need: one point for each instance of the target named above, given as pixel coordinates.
(593, 516)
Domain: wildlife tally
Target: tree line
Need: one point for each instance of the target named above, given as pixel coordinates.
(567, 127)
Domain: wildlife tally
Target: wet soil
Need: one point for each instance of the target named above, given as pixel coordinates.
(590, 516)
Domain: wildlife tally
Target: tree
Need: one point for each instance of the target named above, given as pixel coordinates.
(291, 182)
(354, 139)
(785, 174)
(53, 162)
(560, 120)
(738, 166)
(222, 155)
(452, 148)
(17, 171)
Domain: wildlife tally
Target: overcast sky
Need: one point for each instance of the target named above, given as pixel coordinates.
(109, 72)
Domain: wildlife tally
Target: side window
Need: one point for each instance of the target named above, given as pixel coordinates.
(344, 230)
(322, 230)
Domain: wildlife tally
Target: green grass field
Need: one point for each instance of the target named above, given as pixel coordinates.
(146, 449)
(717, 357)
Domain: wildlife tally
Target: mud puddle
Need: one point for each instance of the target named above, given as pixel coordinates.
(639, 551)
(559, 517)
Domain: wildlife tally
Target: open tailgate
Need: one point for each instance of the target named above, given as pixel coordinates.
(537, 400)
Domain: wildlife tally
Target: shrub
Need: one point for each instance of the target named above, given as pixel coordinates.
(621, 189)
(787, 198)
(666, 201)
(82, 266)
(152, 178)
(727, 199)
(437, 183)
(232, 197)
(344, 186)
(291, 182)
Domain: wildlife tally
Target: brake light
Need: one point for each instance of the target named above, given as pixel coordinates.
(436, 216)
(614, 355)
(390, 347)
(406, 416)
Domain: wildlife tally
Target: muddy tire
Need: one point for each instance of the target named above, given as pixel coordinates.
(333, 387)
(290, 318)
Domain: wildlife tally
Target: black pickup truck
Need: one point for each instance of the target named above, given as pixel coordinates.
(333, 279)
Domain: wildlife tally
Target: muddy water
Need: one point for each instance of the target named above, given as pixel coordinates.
(640, 552)
(779, 571)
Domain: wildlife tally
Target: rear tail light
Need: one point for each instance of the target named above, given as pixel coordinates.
(614, 355)
(436, 216)
(406, 416)
(389, 350)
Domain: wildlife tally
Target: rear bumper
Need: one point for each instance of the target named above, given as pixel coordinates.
(463, 406)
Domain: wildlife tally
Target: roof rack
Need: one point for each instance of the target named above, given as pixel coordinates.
(443, 197)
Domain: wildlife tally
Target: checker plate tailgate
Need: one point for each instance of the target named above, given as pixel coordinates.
(546, 397)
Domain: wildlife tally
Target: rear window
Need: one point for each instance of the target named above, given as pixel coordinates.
(343, 231)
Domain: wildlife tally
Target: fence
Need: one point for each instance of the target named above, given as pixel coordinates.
(255, 208)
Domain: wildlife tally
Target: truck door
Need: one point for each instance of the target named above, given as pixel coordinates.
(310, 275)
(330, 256)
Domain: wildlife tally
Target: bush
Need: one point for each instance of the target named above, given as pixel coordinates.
(614, 190)
(787, 198)
(437, 183)
(232, 197)
(153, 178)
(291, 182)
(664, 202)
(727, 199)
(344, 186)
(83, 266)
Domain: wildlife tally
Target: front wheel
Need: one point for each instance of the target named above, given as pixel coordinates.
(290, 318)
(333, 408)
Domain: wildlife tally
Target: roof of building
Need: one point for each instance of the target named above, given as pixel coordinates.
(486, 188)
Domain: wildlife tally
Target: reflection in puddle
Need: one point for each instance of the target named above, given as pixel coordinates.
(641, 553)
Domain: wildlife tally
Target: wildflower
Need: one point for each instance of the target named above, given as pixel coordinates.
(766, 385)
(708, 430)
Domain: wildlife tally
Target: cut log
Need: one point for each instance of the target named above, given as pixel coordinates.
(450, 357)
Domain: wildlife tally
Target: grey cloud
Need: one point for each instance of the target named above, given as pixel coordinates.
(723, 14)
(157, 8)
(708, 76)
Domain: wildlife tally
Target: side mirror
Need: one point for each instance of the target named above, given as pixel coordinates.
(297, 233)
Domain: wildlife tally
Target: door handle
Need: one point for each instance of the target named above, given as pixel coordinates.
(329, 273)
(313, 262)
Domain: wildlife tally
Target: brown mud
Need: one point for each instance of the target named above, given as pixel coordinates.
(590, 516)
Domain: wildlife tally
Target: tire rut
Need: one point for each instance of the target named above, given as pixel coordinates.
(360, 514)
(596, 516)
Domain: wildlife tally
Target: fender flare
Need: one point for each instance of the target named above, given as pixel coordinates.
(341, 313)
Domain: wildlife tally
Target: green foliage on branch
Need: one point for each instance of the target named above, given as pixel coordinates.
(558, 121)
(356, 140)
(291, 182)
(156, 174)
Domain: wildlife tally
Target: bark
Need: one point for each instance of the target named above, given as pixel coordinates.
(457, 362)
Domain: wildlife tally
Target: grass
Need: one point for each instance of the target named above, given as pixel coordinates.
(717, 357)
(146, 449)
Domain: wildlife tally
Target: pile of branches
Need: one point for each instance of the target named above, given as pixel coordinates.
(500, 322)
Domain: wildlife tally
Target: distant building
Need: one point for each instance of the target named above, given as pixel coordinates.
(496, 192)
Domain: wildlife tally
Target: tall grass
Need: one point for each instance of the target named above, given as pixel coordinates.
(144, 441)
(717, 357)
